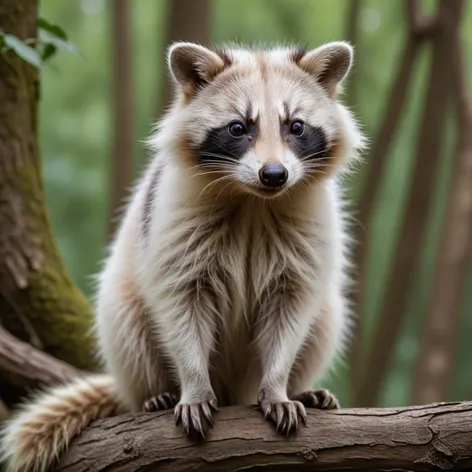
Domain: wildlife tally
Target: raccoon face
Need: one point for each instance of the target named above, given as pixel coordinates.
(263, 121)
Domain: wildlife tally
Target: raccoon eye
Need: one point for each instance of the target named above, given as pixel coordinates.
(236, 129)
(297, 128)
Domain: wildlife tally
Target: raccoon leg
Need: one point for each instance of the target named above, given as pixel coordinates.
(186, 328)
(278, 340)
(318, 351)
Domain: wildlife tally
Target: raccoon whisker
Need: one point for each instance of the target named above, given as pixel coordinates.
(213, 182)
(317, 152)
(221, 156)
(209, 172)
(301, 183)
(310, 156)
(238, 185)
(323, 158)
(314, 171)
(317, 166)
(215, 165)
(219, 193)
(219, 162)
(220, 143)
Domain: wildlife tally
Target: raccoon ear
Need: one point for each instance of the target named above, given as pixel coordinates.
(193, 66)
(329, 63)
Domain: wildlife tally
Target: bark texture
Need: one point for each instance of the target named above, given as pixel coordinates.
(411, 235)
(422, 438)
(122, 153)
(433, 370)
(39, 302)
(187, 20)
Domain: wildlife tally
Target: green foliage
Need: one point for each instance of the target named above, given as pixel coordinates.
(76, 116)
(51, 38)
(27, 53)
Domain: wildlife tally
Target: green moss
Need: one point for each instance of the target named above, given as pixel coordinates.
(50, 304)
(58, 310)
(62, 317)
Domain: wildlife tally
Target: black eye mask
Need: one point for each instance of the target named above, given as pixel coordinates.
(220, 144)
(312, 145)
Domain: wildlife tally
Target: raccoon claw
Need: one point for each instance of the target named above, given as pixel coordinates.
(284, 414)
(321, 399)
(196, 418)
(163, 401)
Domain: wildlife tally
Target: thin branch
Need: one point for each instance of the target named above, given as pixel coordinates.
(419, 25)
(414, 15)
(441, 325)
(401, 439)
(25, 366)
(413, 227)
(375, 166)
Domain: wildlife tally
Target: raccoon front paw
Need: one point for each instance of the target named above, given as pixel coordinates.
(164, 401)
(322, 399)
(197, 417)
(282, 413)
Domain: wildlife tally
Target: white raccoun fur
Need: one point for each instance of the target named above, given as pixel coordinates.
(216, 291)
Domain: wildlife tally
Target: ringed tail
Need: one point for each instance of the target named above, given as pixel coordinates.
(40, 431)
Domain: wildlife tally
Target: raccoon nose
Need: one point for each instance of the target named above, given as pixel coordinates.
(273, 175)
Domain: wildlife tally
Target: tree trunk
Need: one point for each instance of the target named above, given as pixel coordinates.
(39, 302)
(352, 35)
(418, 30)
(402, 439)
(187, 20)
(4, 412)
(408, 248)
(122, 154)
(441, 325)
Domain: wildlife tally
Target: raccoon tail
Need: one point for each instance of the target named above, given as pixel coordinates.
(41, 430)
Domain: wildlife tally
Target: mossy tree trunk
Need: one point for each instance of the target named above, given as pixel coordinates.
(39, 302)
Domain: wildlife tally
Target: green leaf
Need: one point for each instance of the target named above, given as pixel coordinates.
(47, 38)
(48, 51)
(26, 52)
(55, 30)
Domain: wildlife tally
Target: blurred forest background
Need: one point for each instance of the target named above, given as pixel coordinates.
(415, 304)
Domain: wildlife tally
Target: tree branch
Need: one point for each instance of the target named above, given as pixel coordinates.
(401, 439)
(23, 365)
(413, 226)
(419, 26)
(374, 169)
(441, 325)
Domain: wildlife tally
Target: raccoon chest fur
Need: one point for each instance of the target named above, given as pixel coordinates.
(239, 265)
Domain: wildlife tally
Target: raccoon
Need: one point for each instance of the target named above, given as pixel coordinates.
(226, 281)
